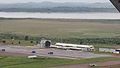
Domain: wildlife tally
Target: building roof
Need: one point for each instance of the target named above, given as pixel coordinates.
(76, 45)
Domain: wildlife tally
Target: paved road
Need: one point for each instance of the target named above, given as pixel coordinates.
(74, 66)
(107, 63)
(44, 52)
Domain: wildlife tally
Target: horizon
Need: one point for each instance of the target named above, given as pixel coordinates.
(61, 1)
(55, 2)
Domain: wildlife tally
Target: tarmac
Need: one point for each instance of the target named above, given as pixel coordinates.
(57, 53)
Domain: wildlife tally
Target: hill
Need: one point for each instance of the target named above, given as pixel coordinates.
(57, 7)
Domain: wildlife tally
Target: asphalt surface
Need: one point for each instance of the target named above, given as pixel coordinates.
(57, 53)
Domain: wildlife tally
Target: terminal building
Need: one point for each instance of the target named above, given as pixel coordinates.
(73, 47)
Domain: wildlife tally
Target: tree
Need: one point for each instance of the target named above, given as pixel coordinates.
(19, 42)
(31, 41)
(4, 41)
(26, 37)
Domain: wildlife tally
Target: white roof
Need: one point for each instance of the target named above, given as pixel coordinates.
(76, 45)
(53, 46)
(117, 49)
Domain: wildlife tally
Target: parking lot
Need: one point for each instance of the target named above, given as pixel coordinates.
(57, 53)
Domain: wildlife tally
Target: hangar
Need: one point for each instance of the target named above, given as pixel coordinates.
(67, 46)
(44, 44)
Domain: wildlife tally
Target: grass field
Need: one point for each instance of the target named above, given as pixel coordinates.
(106, 46)
(22, 42)
(18, 62)
(62, 28)
(56, 28)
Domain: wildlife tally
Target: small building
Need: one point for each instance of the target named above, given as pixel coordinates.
(117, 51)
(67, 46)
(44, 44)
(107, 50)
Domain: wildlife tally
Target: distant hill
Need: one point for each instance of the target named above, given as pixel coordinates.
(57, 7)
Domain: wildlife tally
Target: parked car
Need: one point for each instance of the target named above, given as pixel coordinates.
(33, 51)
(3, 49)
(51, 53)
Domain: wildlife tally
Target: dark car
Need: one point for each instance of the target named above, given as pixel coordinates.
(3, 49)
(51, 53)
(33, 51)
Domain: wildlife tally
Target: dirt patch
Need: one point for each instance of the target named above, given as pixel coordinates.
(101, 64)
(108, 63)
(74, 66)
(113, 66)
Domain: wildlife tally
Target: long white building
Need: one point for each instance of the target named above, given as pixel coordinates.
(73, 47)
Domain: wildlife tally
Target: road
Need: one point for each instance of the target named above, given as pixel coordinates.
(27, 50)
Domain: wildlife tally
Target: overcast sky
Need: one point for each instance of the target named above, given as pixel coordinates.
(24, 1)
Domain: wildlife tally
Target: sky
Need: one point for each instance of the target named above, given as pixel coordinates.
(25, 1)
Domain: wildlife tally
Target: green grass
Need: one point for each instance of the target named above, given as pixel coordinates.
(96, 52)
(0, 57)
(22, 42)
(18, 62)
(61, 28)
(106, 46)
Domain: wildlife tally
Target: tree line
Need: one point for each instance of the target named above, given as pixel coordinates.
(115, 41)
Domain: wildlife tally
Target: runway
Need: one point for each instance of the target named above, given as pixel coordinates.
(57, 53)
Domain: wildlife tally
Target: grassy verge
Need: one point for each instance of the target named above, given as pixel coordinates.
(0, 57)
(18, 62)
(96, 52)
(106, 46)
(19, 42)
